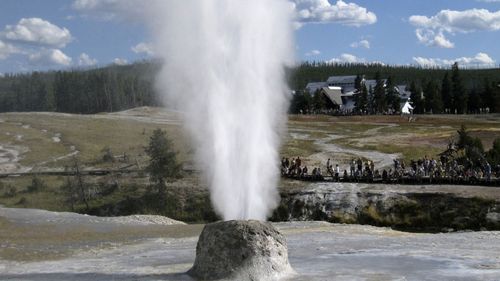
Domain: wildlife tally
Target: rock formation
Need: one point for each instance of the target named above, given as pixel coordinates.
(423, 208)
(241, 250)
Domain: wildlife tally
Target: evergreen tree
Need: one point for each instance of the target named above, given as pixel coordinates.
(416, 98)
(319, 101)
(437, 104)
(446, 94)
(301, 102)
(163, 164)
(370, 104)
(357, 82)
(495, 103)
(472, 148)
(379, 99)
(361, 103)
(393, 102)
(432, 98)
(487, 95)
(49, 102)
(428, 97)
(475, 102)
(458, 90)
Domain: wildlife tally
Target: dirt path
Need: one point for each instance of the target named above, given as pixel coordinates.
(343, 155)
(9, 158)
(39, 166)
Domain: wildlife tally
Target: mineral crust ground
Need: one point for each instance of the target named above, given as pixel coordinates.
(40, 245)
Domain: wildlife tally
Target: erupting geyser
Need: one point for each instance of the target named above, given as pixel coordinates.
(224, 69)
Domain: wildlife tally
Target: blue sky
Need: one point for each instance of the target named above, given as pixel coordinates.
(56, 34)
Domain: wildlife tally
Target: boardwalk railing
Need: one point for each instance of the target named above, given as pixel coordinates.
(423, 180)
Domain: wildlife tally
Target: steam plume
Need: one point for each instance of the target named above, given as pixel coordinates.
(224, 69)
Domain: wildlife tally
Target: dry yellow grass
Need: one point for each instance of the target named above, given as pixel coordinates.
(128, 132)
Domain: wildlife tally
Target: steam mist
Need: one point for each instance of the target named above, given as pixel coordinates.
(224, 69)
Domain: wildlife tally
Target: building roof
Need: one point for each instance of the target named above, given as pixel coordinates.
(312, 87)
(341, 79)
(370, 83)
(403, 93)
(334, 94)
(350, 93)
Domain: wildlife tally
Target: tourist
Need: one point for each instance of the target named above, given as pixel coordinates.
(384, 175)
(488, 171)
(360, 165)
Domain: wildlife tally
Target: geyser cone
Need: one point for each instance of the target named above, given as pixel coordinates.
(241, 250)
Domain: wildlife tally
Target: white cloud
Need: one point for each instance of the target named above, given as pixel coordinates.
(430, 38)
(347, 58)
(321, 11)
(143, 48)
(361, 44)
(313, 53)
(49, 57)
(120, 61)
(7, 49)
(479, 60)
(37, 31)
(110, 9)
(460, 21)
(89, 4)
(489, 1)
(86, 60)
(306, 11)
(430, 30)
(103, 9)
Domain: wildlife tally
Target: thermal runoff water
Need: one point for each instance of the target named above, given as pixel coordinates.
(224, 69)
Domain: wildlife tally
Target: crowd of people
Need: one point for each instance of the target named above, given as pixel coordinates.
(442, 170)
(293, 168)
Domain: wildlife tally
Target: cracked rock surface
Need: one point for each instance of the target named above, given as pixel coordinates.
(242, 250)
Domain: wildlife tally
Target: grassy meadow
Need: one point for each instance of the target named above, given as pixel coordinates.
(52, 141)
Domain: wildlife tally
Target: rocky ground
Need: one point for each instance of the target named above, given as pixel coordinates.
(427, 208)
(112, 249)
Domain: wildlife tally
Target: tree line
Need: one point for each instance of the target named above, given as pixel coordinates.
(107, 89)
(431, 90)
(115, 88)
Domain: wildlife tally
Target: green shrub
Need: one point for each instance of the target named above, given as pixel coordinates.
(107, 155)
(37, 184)
(10, 192)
